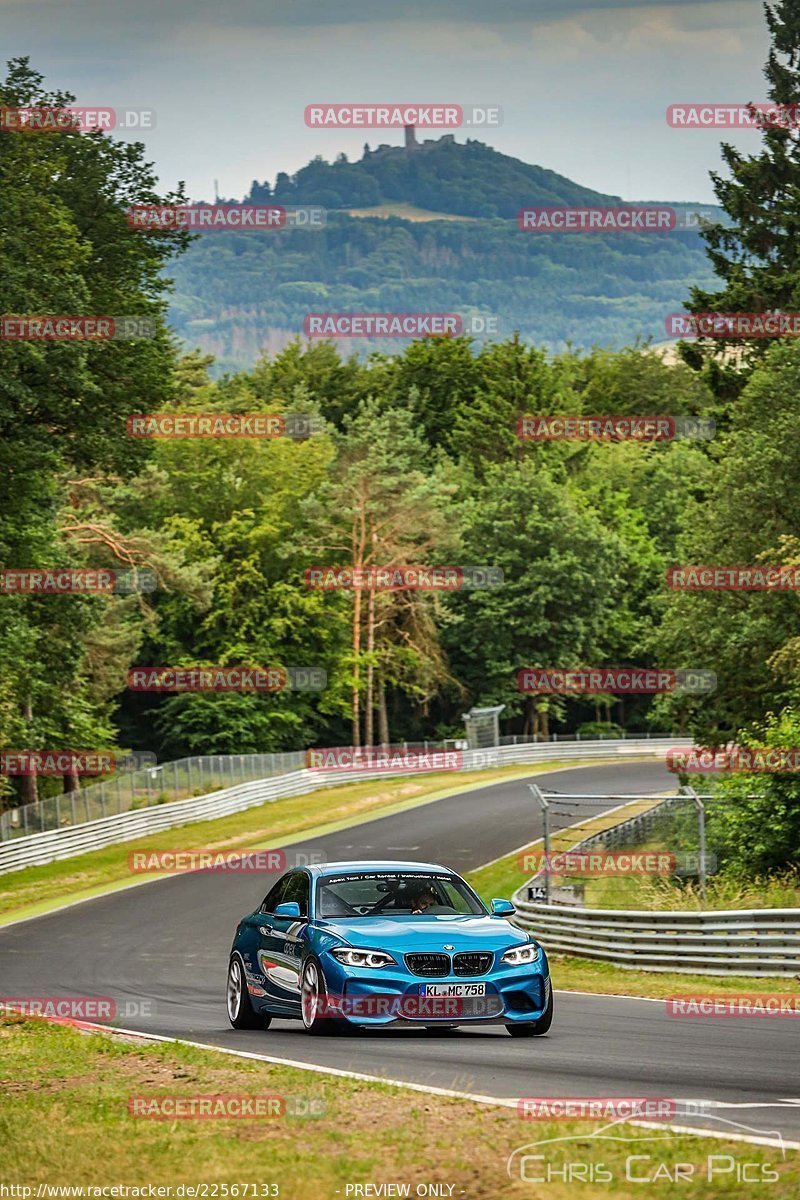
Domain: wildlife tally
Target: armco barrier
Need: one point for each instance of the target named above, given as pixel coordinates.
(38, 848)
(730, 942)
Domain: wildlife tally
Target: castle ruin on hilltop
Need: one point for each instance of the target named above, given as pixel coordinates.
(411, 144)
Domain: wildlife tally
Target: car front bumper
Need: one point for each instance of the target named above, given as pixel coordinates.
(394, 995)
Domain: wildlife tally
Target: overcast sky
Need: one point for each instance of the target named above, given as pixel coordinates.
(583, 84)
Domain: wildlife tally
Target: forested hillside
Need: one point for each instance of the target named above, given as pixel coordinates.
(468, 179)
(240, 295)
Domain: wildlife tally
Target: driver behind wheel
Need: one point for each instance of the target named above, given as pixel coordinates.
(424, 899)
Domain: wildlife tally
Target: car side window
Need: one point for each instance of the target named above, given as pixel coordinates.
(298, 890)
(276, 895)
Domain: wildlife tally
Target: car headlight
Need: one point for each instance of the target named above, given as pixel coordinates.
(362, 958)
(518, 955)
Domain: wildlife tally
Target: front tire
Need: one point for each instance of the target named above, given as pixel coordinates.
(241, 1013)
(314, 1001)
(534, 1028)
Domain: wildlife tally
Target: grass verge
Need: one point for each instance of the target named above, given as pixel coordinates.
(39, 889)
(65, 1121)
(664, 893)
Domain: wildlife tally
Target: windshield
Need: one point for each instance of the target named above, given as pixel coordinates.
(394, 894)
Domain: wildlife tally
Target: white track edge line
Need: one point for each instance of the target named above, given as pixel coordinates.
(449, 1093)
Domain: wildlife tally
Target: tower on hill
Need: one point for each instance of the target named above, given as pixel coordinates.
(411, 137)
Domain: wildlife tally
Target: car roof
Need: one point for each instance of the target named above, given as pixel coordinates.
(388, 864)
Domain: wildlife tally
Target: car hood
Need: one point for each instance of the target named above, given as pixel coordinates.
(426, 933)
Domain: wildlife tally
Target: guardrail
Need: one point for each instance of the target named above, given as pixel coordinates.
(146, 786)
(184, 777)
(730, 942)
(749, 942)
(55, 844)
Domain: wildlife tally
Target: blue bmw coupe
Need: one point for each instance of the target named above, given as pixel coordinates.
(385, 943)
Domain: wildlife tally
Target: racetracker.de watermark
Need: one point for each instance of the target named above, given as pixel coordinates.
(222, 425)
(744, 1004)
(397, 578)
(227, 679)
(74, 119)
(224, 218)
(72, 762)
(756, 759)
(65, 1008)
(237, 862)
(732, 325)
(396, 324)
(393, 759)
(552, 218)
(597, 862)
(562, 428)
(408, 1006)
(596, 1108)
(394, 115)
(578, 863)
(618, 680)
(743, 578)
(762, 114)
(60, 327)
(56, 581)
(240, 1106)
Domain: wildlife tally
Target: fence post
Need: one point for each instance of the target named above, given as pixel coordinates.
(545, 807)
(701, 820)
(701, 832)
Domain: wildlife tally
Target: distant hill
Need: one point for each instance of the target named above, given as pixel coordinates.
(467, 179)
(436, 231)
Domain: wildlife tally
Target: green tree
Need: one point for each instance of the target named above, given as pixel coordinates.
(385, 506)
(748, 638)
(67, 250)
(756, 254)
(563, 577)
(754, 819)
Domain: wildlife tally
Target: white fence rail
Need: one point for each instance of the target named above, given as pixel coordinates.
(731, 942)
(38, 848)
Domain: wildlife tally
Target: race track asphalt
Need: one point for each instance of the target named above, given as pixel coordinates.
(160, 951)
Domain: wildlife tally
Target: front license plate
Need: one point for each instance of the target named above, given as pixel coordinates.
(453, 989)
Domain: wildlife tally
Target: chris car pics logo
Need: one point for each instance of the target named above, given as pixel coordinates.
(619, 1153)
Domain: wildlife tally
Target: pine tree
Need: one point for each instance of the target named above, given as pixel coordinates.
(757, 255)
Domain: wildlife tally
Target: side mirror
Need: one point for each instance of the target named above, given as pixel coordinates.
(500, 908)
(290, 909)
